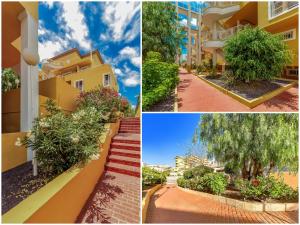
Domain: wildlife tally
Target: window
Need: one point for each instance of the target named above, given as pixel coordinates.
(106, 81)
(288, 35)
(79, 84)
(277, 8)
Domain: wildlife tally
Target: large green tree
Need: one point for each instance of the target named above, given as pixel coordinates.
(161, 30)
(252, 144)
(255, 54)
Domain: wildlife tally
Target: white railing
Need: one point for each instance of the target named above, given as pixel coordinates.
(221, 35)
(221, 4)
(278, 8)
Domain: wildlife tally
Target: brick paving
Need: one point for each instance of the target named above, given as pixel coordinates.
(194, 95)
(172, 205)
(116, 197)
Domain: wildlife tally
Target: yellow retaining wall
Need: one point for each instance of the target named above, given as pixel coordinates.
(12, 155)
(146, 200)
(61, 200)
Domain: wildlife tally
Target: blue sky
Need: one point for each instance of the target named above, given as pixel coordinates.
(111, 27)
(166, 135)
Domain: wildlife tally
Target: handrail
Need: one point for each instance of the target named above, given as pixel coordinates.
(220, 35)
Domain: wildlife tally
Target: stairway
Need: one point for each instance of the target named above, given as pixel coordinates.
(124, 155)
(116, 197)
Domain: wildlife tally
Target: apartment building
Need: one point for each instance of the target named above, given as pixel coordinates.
(209, 24)
(84, 72)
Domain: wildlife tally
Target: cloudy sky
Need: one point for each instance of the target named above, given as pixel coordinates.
(111, 27)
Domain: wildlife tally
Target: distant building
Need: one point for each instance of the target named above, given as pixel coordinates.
(160, 168)
(183, 163)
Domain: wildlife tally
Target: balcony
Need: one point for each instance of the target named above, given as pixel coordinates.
(219, 10)
(279, 8)
(215, 39)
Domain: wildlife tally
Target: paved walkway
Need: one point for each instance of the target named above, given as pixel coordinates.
(172, 205)
(116, 197)
(194, 95)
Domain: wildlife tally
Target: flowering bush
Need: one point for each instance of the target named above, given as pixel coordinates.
(262, 188)
(107, 102)
(62, 140)
(10, 80)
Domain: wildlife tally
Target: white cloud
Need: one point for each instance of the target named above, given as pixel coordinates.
(118, 16)
(48, 4)
(118, 72)
(132, 80)
(75, 23)
(131, 54)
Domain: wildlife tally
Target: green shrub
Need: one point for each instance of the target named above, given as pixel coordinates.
(197, 171)
(10, 80)
(151, 177)
(262, 188)
(107, 101)
(215, 183)
(159, 79)
(182, 182)
(62, 140)
(255, 54)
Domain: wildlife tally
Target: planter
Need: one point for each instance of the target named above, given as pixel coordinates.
(255, 101)
(61, 200)
(146, 200)
(248, 206)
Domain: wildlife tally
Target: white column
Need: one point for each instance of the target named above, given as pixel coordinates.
(199, 39)
(214, 58)
(215, 30)
(29, 73)
(189, 53)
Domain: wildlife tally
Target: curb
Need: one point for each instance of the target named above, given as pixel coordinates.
(176, 100)
(146, 200)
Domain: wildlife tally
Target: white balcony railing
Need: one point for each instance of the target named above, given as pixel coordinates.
(278, 8)
(220, 4)
(221, 35)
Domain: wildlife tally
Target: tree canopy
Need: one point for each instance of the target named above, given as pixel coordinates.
(161, 30)
(252, 144)
(255, 54)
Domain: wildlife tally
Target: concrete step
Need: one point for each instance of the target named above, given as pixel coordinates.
(127, 153)
(129, 131)
(123, 169)
(127, 137)
(125, 146)
(119, 140)
(124, 158)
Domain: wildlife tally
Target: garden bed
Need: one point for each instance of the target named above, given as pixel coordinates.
(166, 105)
(18, 183)
(255, 206)
(250, 94)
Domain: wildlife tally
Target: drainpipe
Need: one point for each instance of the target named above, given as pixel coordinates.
(29, 77)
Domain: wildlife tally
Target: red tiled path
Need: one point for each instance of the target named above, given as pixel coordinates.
(116, 197)
(196, 95)
(173, 205)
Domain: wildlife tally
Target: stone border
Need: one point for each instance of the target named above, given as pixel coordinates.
(176, 100)
(146, 201)
(248, 206)
(255, 102)
(62, 199)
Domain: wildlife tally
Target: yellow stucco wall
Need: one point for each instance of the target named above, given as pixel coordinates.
(12, 155)
(92, 77)
(32, 9)
(284, 22)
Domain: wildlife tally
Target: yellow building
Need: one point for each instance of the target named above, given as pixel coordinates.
(275, 17)
(187, 162)
(84, 72)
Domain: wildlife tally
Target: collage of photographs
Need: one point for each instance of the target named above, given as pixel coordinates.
(150, 112)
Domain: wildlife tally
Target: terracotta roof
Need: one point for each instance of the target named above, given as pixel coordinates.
(77, 51)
